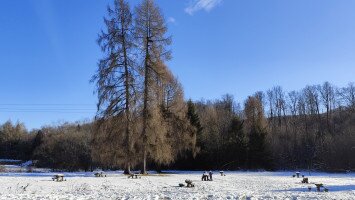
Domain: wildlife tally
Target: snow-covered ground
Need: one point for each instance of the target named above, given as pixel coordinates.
(19, 167)
(235, 185)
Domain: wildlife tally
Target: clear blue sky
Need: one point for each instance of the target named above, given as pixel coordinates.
(48, 51)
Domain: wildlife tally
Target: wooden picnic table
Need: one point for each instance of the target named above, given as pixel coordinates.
(58, 177)
(134, 176)
(100, 174)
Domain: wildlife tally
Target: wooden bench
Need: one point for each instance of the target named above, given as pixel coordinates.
(305, 180)
(58, 177)
(222, 173)
(100, 174)
(136, 176)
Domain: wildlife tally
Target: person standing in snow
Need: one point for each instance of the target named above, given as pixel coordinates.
(204, 176)
(210, 173)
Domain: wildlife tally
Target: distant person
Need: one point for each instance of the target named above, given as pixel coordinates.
(210, 173)
(205, 176)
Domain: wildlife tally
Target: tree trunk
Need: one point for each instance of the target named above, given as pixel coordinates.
(128, 169)
(144, 170)
(145, 107)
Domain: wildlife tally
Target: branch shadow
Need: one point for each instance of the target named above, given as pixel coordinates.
(332, 188)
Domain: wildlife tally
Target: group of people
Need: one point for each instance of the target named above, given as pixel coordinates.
(207, 176)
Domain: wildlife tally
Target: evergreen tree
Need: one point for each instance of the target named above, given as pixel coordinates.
(257, 152)
(193, 117)
(236, 146)
(256, 129)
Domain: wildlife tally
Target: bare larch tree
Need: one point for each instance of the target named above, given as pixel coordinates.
(151, 29)
(115, 77)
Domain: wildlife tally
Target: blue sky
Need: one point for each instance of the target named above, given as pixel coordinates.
(48, 51)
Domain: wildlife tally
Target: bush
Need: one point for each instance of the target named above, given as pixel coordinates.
(2, 168)
(64, 148)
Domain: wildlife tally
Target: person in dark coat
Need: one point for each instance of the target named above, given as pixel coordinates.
(205, 176)
(210, 173)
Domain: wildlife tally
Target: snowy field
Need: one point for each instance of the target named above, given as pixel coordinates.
(235, 185)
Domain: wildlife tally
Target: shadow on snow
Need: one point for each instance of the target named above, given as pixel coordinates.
(332, 188)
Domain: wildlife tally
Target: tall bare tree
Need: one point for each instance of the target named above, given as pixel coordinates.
(293, 100)
(312, 99)
(271, 101)
(327, 94)
(115, 77)
(151, 29)
(347, 95)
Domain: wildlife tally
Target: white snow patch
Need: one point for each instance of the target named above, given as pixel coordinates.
(235, 185)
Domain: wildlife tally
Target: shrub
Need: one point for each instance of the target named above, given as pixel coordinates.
(2, 168)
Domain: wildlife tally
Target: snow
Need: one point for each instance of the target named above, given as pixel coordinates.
(27, 163)
(25, 167)
(10, 160)
(235, 185)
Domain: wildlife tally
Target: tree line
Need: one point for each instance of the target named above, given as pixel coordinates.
(313, 128)
(273, 130)
(63, 147)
